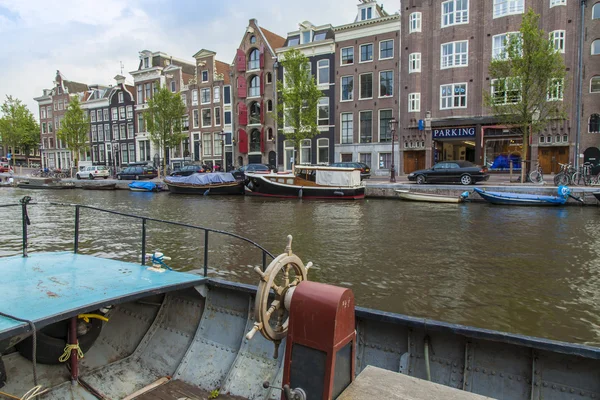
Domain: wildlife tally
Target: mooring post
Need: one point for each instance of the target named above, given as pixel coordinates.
(25, 221)
(143, 241)
(76, 241)
(205, 253)
(74, 354)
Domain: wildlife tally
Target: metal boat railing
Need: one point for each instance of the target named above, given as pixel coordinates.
(27, 201)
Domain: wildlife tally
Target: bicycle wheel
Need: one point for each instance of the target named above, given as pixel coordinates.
(561, 179)
(577, 178)
(535, 177)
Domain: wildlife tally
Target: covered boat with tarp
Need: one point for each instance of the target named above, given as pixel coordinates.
(144, 187)
(308, 181)
(205, 184)
(525, 199)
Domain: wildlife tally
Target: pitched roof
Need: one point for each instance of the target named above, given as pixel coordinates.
(223, 68)
(274, 39)
(75, 87)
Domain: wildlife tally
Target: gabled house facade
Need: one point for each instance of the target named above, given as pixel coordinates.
(95, 104)
(254, 75)
(119, 140)
(317, 44)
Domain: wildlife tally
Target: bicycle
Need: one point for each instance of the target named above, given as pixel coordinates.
(564, 176)
(537, 175)
(583, 175)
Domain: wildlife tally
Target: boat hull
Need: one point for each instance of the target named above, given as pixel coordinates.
(427, 197)
(43, 186)
(519, 199)
(597, 195)
(232, 188)
(257, 186)
(108, 186)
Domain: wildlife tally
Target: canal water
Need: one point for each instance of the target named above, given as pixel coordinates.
(533, 271)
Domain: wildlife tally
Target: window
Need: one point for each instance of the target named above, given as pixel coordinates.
(319, 36)
(206, 118)
(293, 41)
(596, 11)
(305, 151)
(366, 13)
(121, 97)
(252, 39)
(366, 126)
(594, 123)
(508, 7)
(140, 123)
(595, 84)
(129, 112)
(92, 116)
(386, 83)
(385, 133)
(49, 111)
(218, 143)
(323, 111)
(555, 90)
(414, 102)
(115, 132)
(94, 134)
(254, 87)
(100, 133)
(99, 115)
(506, 91)
(140, 94)
(347, 128)
(500, 44)
(185, 123)
(366, 52)
(195, 97)
(50, 127)
(122, 132)
(541, 139)
(130, 131)
(385, 160)
(195, 118)
(204, 96)
(148, 93)
(348, 55)
(204, 76)
(60, 105)
(226, 94)
(365, 158)
(414, 62)
(455, 54)
(216, 94)
(115, 113)
(254, 113)
(43, 127)
(596, 46)
(366, 86)
(453, 96)
(255, 141)
(107, 132)
(217, 116)
(124, 158)
(121, 112)
(347, 88)
(414, 22)
(386, 49)
(269, 105)
(323, 151)
(254, 60)
(323, 72)
(558, 39)
(455, 12)
(105, 112)
(146, 62)
(554, 3)
(227, 115)
(268, 78)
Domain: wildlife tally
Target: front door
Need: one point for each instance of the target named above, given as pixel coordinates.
(550, 157)
(413, 161)
(272, 159)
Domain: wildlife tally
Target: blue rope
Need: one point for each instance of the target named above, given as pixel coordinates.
(159, 260)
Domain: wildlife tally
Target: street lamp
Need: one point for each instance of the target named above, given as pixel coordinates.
(222, 134)
(393, 124)
(115, 147)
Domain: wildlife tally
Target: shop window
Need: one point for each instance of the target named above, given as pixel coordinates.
(499, 153)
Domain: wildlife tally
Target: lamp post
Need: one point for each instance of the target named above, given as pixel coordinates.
(222, 134)
(392, 126)
(115, 147)
(41, 148)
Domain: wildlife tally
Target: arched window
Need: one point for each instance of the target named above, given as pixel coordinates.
(596, 47)
(252, 39)
(305, 152)
(254, 113)
(269, 78)
(596, 11)
(254, 87)
(254, 60)
(269, 105)
(270, 135)
(594, 123)
(255, 141)
(595, 83)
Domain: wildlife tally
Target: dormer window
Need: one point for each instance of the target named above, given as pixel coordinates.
(306, 37)
(366, 13)
(147, 62)
(204, 76)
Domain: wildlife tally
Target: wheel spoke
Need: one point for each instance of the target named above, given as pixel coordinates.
(278, 289)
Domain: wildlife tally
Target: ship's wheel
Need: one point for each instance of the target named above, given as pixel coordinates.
(280, 278)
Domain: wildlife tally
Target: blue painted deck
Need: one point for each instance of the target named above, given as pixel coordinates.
(46, 287)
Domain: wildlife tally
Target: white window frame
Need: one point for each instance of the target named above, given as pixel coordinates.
(324, 104)
(360, 128)
(305, 146)
(121, 97)
(217, 111)
(92, 116)
(502, 8)
(393, 49)
(253, 91)
(597, 77)
(342, 59)
(321, 67)
(122, 113)
(556, 90)
(379, 86)
(360, 86)
(216, 94)
(320, 146)
(501, 55)
(202, 117)
(130, 130)
(195, 97)
(414, 63)
(129, 110)
(349, 125)
(558, 37)
(202, 75)
(414, 22)
(452, 97)
(342, 88)
(449, 60)
(204, 90)
(554, 3)
(506, 91)
(462, 15)
(593, 45)
(105, 114)
(173, 87)
(596, 11)
(414, 102)
(360, 53)
(114, 112)
(196, 118)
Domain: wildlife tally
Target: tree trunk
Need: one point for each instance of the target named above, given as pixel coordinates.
(166, 150)
(524, 156)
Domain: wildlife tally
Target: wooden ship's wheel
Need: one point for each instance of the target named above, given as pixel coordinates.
(280, 278)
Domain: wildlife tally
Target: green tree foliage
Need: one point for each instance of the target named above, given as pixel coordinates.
(526, 81)
(18, 127)
(75, 129)
(299, 97)
(164, 120)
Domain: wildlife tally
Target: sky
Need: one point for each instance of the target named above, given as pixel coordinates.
(87, 40)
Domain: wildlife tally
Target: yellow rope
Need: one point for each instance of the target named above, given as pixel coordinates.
(67, 354)
(10, 396)
(86, 317)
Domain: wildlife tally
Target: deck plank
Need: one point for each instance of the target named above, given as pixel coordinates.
(176, 389)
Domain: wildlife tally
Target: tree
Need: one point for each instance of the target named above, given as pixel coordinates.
(528, 82)
(164, 120)
(299, 98)
(74, 129)
(18, 127)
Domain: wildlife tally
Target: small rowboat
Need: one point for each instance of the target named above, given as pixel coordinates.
(524, 199)
(104, 186)
(430, 197)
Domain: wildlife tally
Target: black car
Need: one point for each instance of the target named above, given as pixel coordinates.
(189, 170)
(138, 172)
(463, 172)
(365, 170)
(240, 173)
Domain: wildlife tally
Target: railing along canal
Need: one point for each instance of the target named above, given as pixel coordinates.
(27, 201)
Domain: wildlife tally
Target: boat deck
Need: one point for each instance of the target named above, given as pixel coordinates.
(177, 390)
(48, 287)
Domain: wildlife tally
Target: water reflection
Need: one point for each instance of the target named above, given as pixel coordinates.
(533, 271)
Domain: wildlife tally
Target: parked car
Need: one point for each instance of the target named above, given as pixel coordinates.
(138, 172)
(189, 170)
(5, 167)
(240, 173)
(463, 172)
(365, 170)
(97, 171)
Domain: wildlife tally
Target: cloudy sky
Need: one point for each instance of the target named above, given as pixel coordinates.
(88, 39)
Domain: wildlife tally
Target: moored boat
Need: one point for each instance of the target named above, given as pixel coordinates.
(524, 199)
(431, 197)
(44, 184)
(308, 182)
(144, 187)
(216, 183)
(102, 186)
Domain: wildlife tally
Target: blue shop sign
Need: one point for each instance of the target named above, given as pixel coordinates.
(449, 133)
